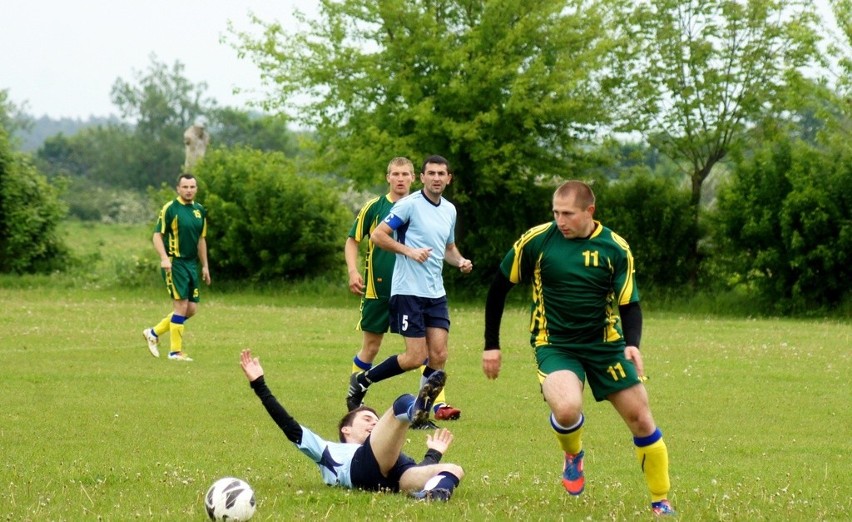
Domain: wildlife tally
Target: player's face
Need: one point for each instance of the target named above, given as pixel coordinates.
(400, 178)
(186, 189)
(362, 426)
(435, 178)
(573, 220)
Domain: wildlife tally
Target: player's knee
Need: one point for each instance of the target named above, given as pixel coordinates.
(456, 470)
(567, 415)
(438, 359)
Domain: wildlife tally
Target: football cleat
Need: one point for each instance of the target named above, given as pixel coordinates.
(179, 356)
(430, 495)
(425, 425)
(662, 508)
(153, 341)
(572, 474)
(447, 412)
(426, 396)
(357, 391)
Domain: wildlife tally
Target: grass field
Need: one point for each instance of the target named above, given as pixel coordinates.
(756, 413)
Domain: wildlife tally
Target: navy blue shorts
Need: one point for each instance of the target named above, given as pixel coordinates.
(366, 475)
(411, 315)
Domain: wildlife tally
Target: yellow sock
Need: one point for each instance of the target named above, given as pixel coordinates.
(441, 399)
(358, 365)
(654, 460)
(176, 332)
(570, 439)
(163, 326)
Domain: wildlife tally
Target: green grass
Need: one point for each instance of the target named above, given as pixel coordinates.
(755, 412)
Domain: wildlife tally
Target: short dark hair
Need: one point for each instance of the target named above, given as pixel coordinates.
(185, 175)
(439, 160)
(349, 418)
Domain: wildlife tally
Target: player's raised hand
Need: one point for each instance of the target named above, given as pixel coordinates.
(439, 440)
(251, 366)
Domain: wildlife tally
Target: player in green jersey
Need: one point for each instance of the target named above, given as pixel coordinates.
(580, 271)
(375, 284)
(180, 240)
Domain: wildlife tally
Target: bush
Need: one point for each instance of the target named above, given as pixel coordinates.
(30, 212)
(265, 221)
(655, 217)
(783, 225)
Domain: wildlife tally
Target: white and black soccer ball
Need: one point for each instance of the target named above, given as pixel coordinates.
(230, 498)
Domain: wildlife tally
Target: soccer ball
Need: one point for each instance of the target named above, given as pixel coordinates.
(229, 498)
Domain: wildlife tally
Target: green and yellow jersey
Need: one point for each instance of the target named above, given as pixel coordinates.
(182, 225)
(575, 283)
(379, 263)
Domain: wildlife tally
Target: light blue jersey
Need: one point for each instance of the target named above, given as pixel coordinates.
(334, 459)
(419, 223)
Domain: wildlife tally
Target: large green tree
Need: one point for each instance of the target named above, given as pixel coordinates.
(507, 90)
(700, 73)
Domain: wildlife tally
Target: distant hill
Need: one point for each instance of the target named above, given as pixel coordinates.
(45, 127)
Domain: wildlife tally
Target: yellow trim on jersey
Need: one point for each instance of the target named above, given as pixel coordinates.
(359, 231)
(174, 238)
(518, 247)
(538, 316)
(370, 291)
(627, 289)
(598, 229)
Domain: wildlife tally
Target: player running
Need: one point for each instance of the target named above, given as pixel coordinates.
(579, 271)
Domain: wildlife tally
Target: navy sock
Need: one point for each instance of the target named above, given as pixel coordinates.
(403, 407)
(443, 480)
(384, 370)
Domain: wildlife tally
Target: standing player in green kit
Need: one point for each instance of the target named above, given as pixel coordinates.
(180, 240)
(580, 272)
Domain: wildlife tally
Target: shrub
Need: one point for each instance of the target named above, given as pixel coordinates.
(783, 227)
(267, 221)
(655, 217)
(30, 212)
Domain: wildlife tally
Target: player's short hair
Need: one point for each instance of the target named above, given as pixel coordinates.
(582, 192)
(349, 418)
(401, 161)
(438, 160)
(185, 175)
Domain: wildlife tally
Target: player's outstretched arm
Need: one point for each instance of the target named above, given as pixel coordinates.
(254, 373)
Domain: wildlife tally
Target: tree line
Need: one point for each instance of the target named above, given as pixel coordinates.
(715, 133)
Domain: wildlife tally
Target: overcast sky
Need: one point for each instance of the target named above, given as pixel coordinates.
(61, 57)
